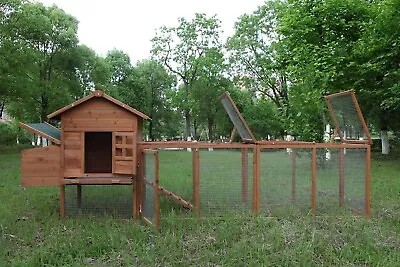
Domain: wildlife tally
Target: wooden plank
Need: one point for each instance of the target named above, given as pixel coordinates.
(108, 113)
(110, 128)
(101, 120)
(49, 151)
(41, 166)
(98, 181)
(40, 180)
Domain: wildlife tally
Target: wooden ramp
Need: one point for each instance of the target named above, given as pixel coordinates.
(176, 198)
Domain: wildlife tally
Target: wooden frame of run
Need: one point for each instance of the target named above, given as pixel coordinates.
(256, 207)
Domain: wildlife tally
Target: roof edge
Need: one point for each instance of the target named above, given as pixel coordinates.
(97, 93)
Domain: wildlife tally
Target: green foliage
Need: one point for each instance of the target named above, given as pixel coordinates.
(181, 49)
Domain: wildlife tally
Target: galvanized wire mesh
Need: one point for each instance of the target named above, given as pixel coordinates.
(347, 117)
(285, 181)
(328, 171)
(226, 181)
(176, 175)
(148, 209)
(235, 118)
(354, 179)
(99, 200)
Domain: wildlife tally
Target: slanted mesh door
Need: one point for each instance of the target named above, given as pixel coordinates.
(124, 153)
(150, 209)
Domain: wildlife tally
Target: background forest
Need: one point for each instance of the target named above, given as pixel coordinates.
(280, 62)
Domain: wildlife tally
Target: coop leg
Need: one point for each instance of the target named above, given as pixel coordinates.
(79, 196)
(62, 202)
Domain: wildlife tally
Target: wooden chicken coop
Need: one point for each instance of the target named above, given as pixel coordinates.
(95, 145)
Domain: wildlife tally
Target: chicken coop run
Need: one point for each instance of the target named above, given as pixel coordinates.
(98, 149)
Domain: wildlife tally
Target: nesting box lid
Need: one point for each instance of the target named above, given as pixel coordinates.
(97, 93)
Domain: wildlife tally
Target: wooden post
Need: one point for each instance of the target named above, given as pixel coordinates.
(245, 172)
(256, 180)
(314, 181)
(196, 180)
(62, 202)
(368, 182)
(79, 196)
(156, 192)
(293, 176)
(341, 177)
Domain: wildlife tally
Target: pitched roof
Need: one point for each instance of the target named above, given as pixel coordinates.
(97, 93)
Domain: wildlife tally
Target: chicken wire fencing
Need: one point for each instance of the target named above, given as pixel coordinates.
(98, 201)
(150, 188)
(226, 181)
(348, 118)
(285, 181)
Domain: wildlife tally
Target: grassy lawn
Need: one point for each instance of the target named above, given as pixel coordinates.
(31, 233)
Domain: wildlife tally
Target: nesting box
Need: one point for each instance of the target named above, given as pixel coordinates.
(96, 144)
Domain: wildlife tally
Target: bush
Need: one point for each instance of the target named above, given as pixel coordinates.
(9, 133)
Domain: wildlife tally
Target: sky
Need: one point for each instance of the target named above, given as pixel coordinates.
(130, 25)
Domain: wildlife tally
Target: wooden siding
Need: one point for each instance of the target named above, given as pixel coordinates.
(73, 156)
(98, 115)
(41, 166)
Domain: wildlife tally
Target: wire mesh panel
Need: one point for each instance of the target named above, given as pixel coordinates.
(226, 181)
(354, 179)
(98, 200)
(328, 179)
(150, 208)
(285, 181)
(236, 118)
(348, 118)
(176, 172)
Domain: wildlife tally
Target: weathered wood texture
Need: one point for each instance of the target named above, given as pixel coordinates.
(98, 115)
(41, 166)
(73, 156)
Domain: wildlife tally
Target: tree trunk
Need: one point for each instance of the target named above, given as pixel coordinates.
(385, 142)
(210, 124)
(1, 109)
(44, 104)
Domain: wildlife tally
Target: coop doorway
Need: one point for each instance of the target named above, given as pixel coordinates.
(98, 152)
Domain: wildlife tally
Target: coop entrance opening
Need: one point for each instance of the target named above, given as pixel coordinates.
(98, 152)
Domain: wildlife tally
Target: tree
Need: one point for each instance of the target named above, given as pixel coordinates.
(46, 33)
(378, 57)
(256, 55)
(180, 48)
(207, 88)
(154, 81)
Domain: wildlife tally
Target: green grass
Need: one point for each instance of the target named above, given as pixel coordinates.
(31, 233)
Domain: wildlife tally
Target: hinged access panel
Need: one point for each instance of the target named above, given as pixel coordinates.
(150, 208)
(41, 166)
(124, 153)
